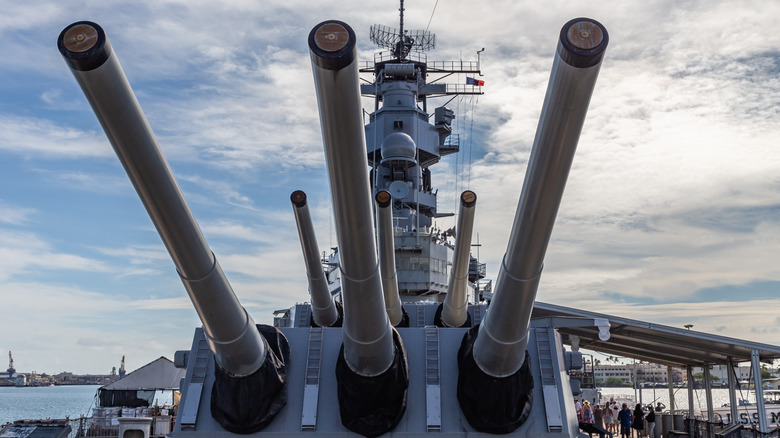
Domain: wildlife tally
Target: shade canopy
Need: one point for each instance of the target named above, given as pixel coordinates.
(656, 343)
(157, 374)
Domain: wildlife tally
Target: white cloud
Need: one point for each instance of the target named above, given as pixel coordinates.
(13, 215)
(27, 136)
(138, 254)
(21, 252)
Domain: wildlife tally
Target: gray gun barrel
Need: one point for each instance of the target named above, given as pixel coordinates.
(368, 339)
(502, 339)
(386, 240)
(455, 309)
(323, 308)
(232, 335)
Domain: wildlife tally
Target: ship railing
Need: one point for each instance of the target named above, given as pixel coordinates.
(477, 269)
(454, 89)
(458, 66)
(452, 142)
(88, 427)
(453, 67)
(384, 56)
(700, 428)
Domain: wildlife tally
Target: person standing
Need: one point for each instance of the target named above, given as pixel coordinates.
(650, 418)
(659, 407)
(624, 416)
(609, 419)
(598, 416)
(587, 413)
(615, 411)
(638, 422)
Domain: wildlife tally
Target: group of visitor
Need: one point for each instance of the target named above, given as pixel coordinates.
(613, 418)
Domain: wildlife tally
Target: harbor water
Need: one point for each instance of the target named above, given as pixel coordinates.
(720, 397)
(49, 402)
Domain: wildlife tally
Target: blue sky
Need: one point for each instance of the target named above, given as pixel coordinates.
(670, 212)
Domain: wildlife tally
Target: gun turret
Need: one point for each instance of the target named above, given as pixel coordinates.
(499, 349)
(384, 212)
(240, 350)
(454, 310)
(372, 351)
(324, 311)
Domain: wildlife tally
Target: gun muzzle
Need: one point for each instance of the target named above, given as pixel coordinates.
(237, 345)
(384, 212)
(499, 349)
(455, 307)
(368, 339)
(323, 308)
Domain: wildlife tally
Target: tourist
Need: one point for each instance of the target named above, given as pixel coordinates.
(638, 422)
(650, 418)
(659, 407)
(609, 419)
(598, 416)
(587, 413)
(624, 416)
(615, 410)
(578, 408)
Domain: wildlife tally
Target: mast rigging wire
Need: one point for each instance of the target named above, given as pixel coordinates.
(432, 12)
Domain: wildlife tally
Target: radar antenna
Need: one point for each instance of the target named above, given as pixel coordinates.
(401, 41)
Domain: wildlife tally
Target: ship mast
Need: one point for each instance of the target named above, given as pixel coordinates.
(401, 26)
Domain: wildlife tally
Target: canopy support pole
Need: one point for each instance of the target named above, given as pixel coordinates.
(708, 391)
(670, 381)
(689, 371)
(734, 407)
(755, 361)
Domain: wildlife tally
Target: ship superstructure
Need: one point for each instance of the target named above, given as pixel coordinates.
(404, 138)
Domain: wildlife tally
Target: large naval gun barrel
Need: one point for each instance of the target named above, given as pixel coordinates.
(237, 345)
(368, 346)
(500, 346)
(454, 311)
(499, 350)
(386, 243)
(243, 357)
(372, 350)
(324, 311)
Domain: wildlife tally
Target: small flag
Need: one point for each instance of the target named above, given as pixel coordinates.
(472, 81)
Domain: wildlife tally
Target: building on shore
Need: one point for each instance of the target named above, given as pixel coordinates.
(639, 372)
(65, 378)
(645, 373)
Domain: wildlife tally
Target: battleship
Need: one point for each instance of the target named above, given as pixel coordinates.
(397, 340)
